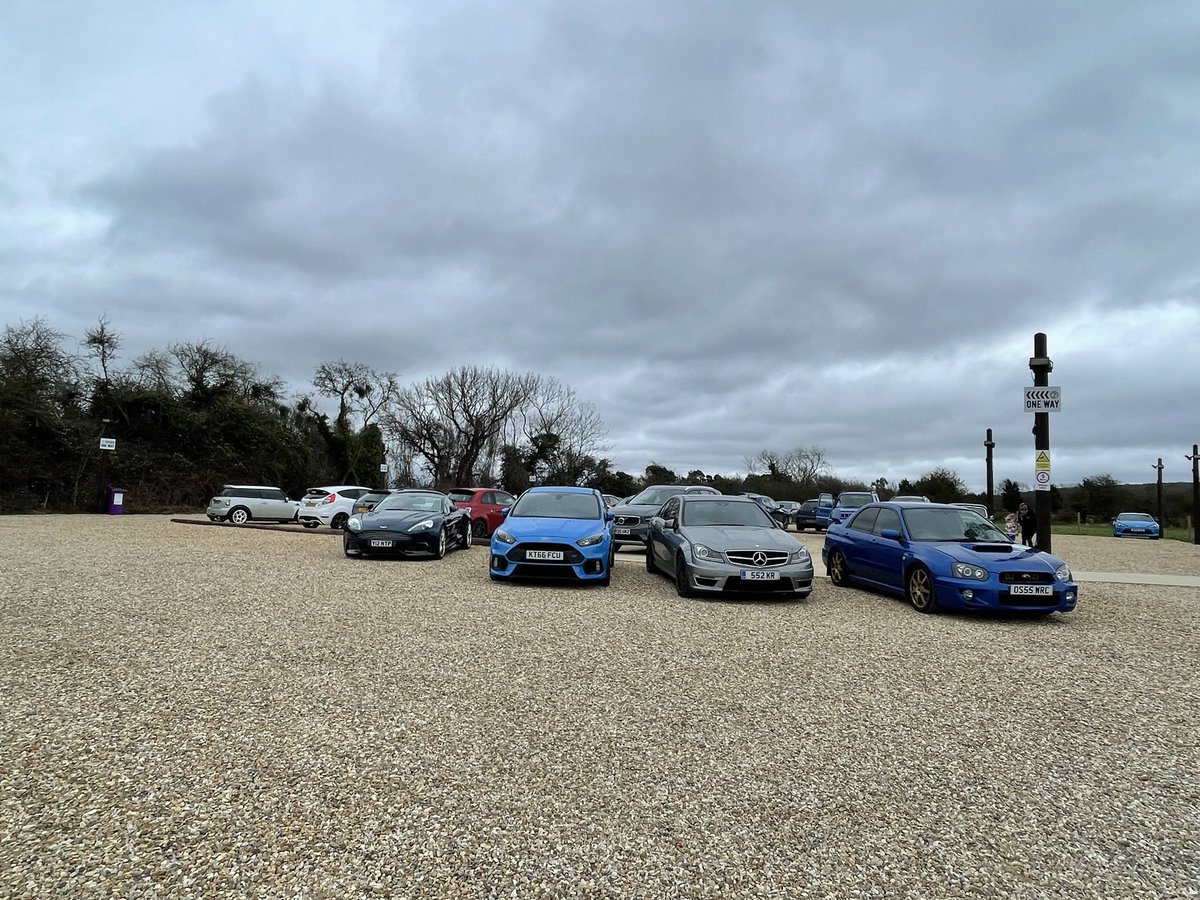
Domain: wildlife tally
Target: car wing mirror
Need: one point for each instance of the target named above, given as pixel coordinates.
(608, 515)
(505, 511)
(890, 534)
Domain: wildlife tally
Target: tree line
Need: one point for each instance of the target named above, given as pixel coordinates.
(193, 416)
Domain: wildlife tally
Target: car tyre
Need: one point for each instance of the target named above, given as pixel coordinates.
(307, 524)
(479, 528)
(683, 579)
(495, 577)
(919, 590)
(464, 536)
(339, 522)
(443, 542)
(839, 572)
(239, 515)
(608, 567)
(650, 567)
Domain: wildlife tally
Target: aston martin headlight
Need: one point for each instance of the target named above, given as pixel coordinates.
(966, 570)
(504, 537)
(1063, 573)
(423, 525)
(591, 540)
(706, 554)
(355, 523)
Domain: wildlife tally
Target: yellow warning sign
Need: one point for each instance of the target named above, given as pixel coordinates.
(1042, 461)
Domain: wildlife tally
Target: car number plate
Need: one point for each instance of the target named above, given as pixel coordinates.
(621, 531)
(759, 575)
(381, 543)
(1138, 530)
(544, 554)
(1032, 590)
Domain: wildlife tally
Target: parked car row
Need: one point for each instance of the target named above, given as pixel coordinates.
(937, 556)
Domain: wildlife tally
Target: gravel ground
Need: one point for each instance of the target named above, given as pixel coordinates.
(219, 712)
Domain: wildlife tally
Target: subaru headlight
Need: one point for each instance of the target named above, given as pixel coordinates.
(423, 525)
(966, 570)
(591, 540)
(1063, 573)
(706, 554)
(504, 537)
(355, 523)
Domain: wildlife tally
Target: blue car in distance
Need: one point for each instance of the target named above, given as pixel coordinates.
(1134, 524)
(939, 556)
(555, 532)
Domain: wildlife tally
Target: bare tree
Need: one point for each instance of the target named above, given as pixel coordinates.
(362, 393)
(450, 421)
(101, 344)
(555, 409)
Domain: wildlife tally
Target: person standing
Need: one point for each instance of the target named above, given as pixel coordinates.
(1027, 519)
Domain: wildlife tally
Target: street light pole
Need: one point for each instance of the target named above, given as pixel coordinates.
(991, 491)
(1195, 458)
(1159, 467)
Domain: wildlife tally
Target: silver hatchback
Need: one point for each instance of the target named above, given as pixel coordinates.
(240, 503)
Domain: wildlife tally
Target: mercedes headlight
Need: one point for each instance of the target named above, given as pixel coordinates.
(591, 540)
(504, 537)
(423, 525)
(706, 554)
(800, 554)
(966, 570)
(1063, 573)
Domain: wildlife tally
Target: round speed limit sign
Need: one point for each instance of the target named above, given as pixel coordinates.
(1043, 477)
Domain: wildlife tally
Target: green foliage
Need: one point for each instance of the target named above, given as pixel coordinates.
(941, 486)
(1010, 495)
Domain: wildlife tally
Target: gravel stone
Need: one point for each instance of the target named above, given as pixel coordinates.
(220, 712)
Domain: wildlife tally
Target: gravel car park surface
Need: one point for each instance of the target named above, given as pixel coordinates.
(223, 712)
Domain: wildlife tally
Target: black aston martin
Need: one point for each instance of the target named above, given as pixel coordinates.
(408, 523)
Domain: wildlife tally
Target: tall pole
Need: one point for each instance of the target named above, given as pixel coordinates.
(1041, 367)
(1195, 458)
(991, 490)
(102, 475)
(1159, 467)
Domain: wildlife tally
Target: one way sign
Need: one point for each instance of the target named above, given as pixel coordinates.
(1043, 399)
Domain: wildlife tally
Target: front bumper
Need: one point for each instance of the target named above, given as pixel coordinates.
(631, 534)
(963, 593)
(795, 579)
(399, 543)
(578, 563)
(1130, 531)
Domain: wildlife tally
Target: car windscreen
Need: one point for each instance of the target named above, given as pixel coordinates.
(853, 501)
(810, 504)
(1136, 517)
(655, 496)
(462, 496)
(949, 525)
(316, 492)
(410, 503)
(556, 505)
(698, 513)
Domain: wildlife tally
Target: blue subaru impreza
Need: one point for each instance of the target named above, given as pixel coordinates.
(945, 557)
(554, 532)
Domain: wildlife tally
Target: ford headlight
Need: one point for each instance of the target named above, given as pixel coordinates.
(1063, 573)
(706, 554)
(355, 523)
(591, 540)
(424, 525)
(504, 537)
(966, 570)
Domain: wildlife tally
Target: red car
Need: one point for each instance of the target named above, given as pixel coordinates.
(486, 505)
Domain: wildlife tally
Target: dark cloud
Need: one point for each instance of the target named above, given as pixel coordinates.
(730, 227)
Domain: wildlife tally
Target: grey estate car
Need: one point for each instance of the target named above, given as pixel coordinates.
(239, 503)
(726, 545)
(631, 520)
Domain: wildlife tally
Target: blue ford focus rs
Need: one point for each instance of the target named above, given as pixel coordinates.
(555, 532)
(939, 556)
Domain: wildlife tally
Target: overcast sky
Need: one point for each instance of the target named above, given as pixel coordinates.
(729, 226)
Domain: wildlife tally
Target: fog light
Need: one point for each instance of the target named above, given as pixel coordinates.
(968, 595)
(499, 562)
(1070, 595)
